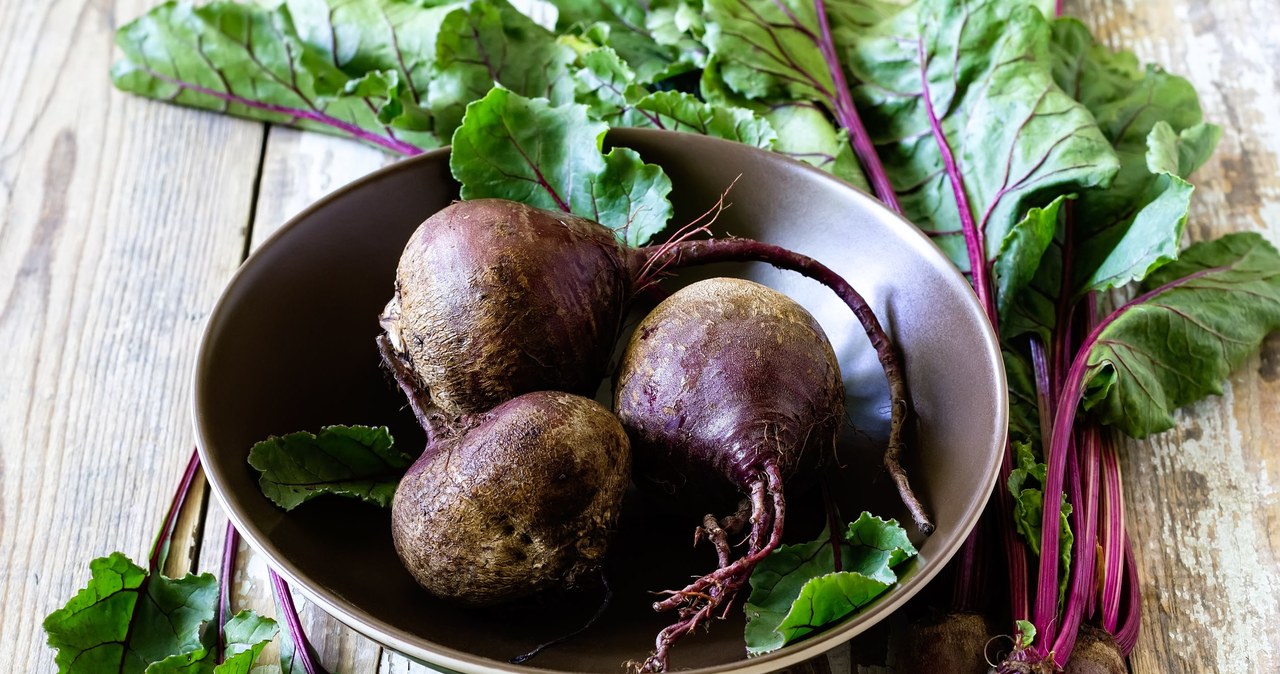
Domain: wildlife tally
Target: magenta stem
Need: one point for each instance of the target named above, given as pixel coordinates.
(393, 144)
(156, 559)
(301, 646)
(230, 546)
(1127, 637)
(1056, 453)
(1113, 538)
(1085, 520)
(970, 589)
(973, 234)
(1044, 392)
(1014, 549)
(847, 114)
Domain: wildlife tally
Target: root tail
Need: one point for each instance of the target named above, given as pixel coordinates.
(700, 600)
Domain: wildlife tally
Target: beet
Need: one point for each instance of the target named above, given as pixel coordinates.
(727, 382)
(955, 643)
(495, 298)
(523, 502)
(1095, 652)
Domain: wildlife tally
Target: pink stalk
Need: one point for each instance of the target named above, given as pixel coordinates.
(301, 646)
(973, 234)
(159, 548)
(1114, 540)
(847, 114)
(1015, 552)
(230, 546)
(1044, 392)
(1127, 637)
(1084, 480)
(387, 142)
(970, 586)
(1057, 452)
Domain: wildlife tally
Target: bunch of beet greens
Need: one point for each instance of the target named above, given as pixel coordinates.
(1048, 167)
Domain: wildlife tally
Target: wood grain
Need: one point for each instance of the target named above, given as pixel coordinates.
(1203, 503)
(110, 258)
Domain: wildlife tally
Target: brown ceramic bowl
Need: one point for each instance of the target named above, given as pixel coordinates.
(290, 346)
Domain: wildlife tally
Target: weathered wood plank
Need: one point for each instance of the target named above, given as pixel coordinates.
(110, 257)
(1202, 499)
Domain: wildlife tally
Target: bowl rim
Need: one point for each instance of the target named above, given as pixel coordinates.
(440, 656)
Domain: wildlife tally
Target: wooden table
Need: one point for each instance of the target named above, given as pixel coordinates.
(121, 219)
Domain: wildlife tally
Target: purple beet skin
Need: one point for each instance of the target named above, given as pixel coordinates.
(494, 299)
(726, 383)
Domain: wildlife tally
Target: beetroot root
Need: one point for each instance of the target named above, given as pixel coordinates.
(955, 643)
(727, 383)
(524, 502)
(495, 299)
(1095, 652)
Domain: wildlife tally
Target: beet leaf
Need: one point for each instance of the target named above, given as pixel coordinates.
(528, 151)
(246, 634)
(491, 44)
(657, 46)
(1203, 314)
(960, 99)
(803, 129)
(1121, 234)
(784, 50)
(125, 619)
(360, 36)
(609, 89)
(248, 61)
(355, 461)
(796, 591)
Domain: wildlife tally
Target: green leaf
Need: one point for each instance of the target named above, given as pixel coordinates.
(248, 61)
(876, 544)
(109, 626)
(1019, 141)
(1022, 251)
(678, 111)
(354, 461)
(492, 43)
(623, 25)
(796, 590)
(766, 49)
(680, 25)
(803, 130)
(1153, 120)
(246, 634)
(1026, 483)
(607, 86)
(1214, 306)
(1026, 633)
(363, 36)
(525, 150)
